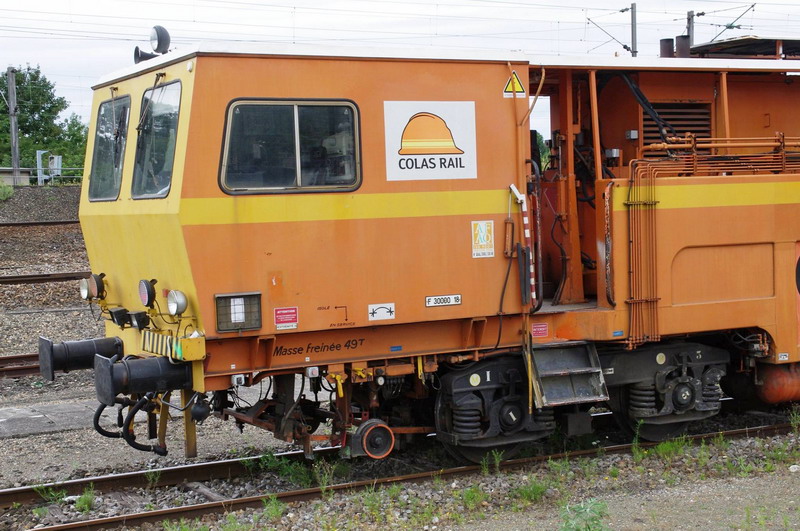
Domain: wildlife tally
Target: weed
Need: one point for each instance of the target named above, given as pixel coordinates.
(588, 467)
(778, 453)
(252, 466)
(472, 497)
(50, 494)
(372, 503)
(485, 464)
(531, 492)
(587, 515)
(497, 457)
(637, 451)
(40, 512)
(183, 525)
(232, 524)
(670, 479)
(393, 491)
(703, 454)
(667, 450)
(152, 477)
(745, 468)
(560, 467)
(613, 472)
(438, 482)
(794, 418)
(421, 518)
(324, 472)
(769, 467)
(721, 442)
(85, 502)
(273, 508)
(6, 192)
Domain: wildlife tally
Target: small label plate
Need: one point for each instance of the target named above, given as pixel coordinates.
(443, 300)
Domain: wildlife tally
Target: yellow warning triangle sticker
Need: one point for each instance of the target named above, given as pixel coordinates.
(513, 86)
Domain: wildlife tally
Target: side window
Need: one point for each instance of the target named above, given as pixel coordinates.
(109, 149)
(285, 146)
(155, 146)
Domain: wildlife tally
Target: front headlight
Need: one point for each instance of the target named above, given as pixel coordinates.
(93, 287)
(176, 302)
(85, 289)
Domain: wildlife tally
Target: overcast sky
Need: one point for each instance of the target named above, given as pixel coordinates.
(76, 41)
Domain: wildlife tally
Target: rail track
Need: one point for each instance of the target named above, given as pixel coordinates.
(19, 365)
(38, 223)
(40, 278)
(230, 468)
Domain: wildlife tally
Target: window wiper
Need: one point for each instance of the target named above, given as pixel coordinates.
(143, 114)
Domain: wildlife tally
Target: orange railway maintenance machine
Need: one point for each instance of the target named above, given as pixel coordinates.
(384, 247)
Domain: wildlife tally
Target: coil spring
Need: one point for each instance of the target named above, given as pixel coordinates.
(642, 396)
(712, 392)
(544, 415)
(467, 421)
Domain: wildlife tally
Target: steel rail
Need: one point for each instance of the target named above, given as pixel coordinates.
(38, 223)
(234, 504)
(19, 365)
(40, 278)
(165, 477)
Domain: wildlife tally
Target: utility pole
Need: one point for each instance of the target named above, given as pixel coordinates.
(690, 27)
(11, 78)
(634, 50)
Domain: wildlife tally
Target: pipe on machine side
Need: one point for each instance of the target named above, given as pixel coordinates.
(74, 355)
(780, 383)
(138, 376)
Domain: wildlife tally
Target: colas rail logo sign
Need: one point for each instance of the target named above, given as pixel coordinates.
(428, 140)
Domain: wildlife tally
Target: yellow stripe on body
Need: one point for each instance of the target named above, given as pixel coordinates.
(323, 206)
(717, 195)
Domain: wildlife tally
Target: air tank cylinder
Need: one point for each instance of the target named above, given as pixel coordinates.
(780, 383)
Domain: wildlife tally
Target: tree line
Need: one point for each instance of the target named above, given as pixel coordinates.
(38, 109)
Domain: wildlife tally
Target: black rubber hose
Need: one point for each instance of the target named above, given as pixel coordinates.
(127, 431)
(96, 422)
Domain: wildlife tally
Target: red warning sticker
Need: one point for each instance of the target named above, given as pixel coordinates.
(286, 318)
(540, 330)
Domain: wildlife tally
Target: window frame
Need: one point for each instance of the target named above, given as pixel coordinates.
(122, 155)
(295, 103)
(138, 133)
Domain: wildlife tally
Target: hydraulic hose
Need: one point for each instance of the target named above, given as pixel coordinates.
(96, 423)
(127, 428)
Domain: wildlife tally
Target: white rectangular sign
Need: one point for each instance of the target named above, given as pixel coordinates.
(430, 140)
(443, 300)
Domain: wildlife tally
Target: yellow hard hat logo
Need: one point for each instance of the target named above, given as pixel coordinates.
(427, 134)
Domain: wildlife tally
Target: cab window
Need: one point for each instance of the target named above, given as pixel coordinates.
(155, 145)
(109, 149)
(286, 146)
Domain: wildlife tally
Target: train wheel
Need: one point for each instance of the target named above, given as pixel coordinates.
(634, 427)
(472, 454)
(377, 439)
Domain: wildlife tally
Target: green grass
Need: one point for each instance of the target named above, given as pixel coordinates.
(85, 502)
(273, 508)
(50, 494)
(531, 492)
(668, 450)
(152, 477)
(472, 497)
(6, 192)
(585, 516)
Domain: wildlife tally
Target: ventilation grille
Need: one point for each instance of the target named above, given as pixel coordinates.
(683, 117)
(238, 311)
